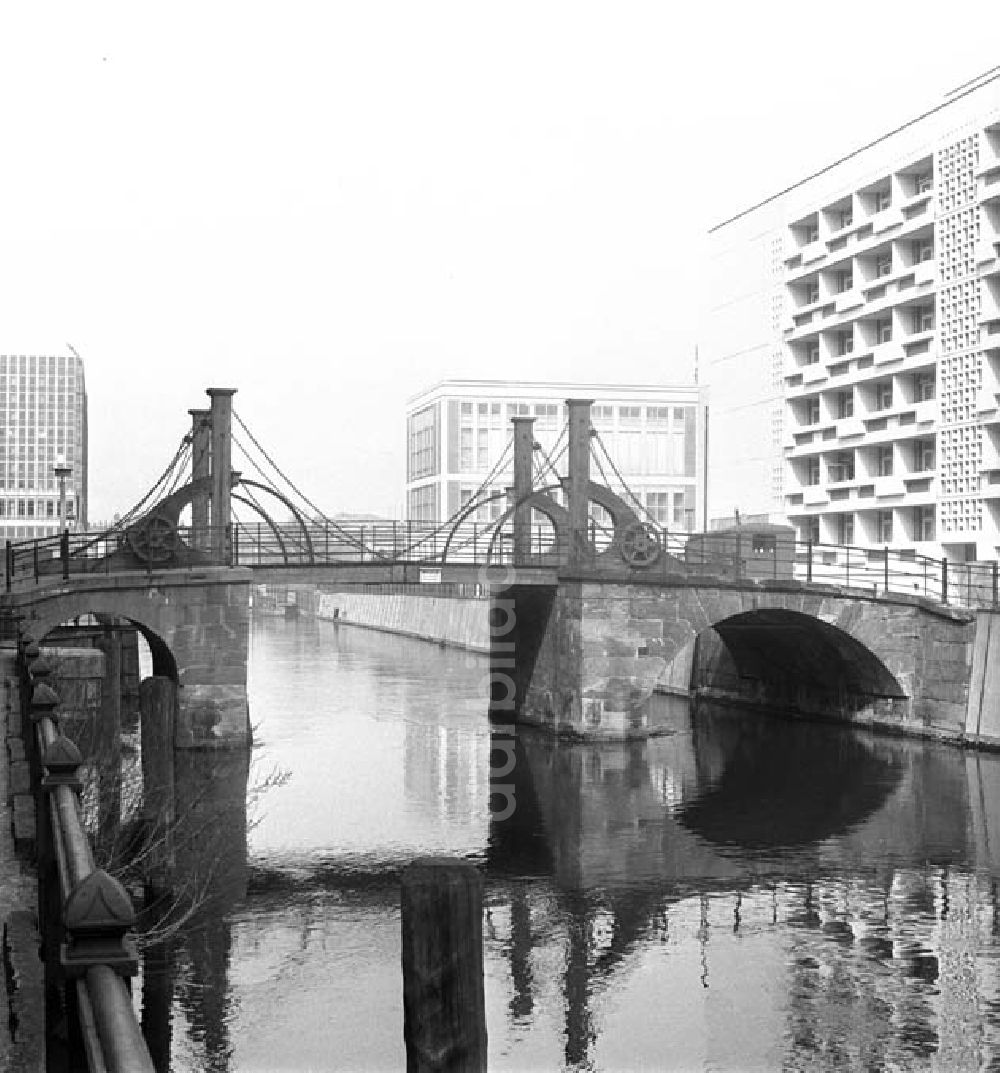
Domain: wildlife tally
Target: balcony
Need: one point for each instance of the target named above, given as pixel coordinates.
(812, 252)
(989, 187)
(986, 251)
(921, 486)
(814, 495)
(991, 307)
(887, 219)
(849, 300)
(885, 353)
(850, 426)
(925, 411)
(989, 155)
(813, 374)
(991, 456)
(918, 199)
(886, 487)
(924, 272)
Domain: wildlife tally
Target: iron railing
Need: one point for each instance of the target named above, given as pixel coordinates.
(746, 555)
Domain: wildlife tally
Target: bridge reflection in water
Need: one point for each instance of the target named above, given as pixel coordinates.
(742, 893)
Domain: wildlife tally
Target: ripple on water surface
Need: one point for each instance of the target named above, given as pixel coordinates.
(744, 893)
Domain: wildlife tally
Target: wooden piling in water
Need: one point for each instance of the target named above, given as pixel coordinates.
(444, 1006)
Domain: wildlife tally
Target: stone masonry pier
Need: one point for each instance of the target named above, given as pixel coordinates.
(196, 624)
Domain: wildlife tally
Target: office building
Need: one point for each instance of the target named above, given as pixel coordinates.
(43, 425)
(457, 430)
(852, 348)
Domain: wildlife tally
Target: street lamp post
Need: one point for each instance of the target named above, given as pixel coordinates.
(62, 471)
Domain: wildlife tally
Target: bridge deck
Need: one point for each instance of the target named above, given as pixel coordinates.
(403, 553)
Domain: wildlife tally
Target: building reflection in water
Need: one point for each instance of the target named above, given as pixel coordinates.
(188, 972)
(445, 772)
(740, 893)
(873, 857)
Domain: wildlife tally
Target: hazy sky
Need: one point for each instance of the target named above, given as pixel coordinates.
(330, 206)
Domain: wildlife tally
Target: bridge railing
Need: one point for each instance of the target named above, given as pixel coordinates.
(85, 915)
(742, 555)
(764, 556)
(390, 541)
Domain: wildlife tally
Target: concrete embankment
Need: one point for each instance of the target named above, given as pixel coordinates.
(22, 1045)
(460, 621)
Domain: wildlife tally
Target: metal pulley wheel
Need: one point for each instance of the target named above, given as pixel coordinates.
(154, 540)
(640, 544)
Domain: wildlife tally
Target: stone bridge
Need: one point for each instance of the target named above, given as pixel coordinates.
(584, 658)
(197, 628)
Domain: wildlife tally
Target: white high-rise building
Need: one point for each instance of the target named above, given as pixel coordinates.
(852, 348)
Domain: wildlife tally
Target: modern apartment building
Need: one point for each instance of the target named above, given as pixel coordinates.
(457, 430)
(43, 425)
(852, 351)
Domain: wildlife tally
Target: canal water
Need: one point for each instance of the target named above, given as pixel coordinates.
(742, 894)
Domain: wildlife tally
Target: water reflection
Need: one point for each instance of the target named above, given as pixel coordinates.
(186, 970)
(740, 894)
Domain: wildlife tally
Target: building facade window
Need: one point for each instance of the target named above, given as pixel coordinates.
(658, 506)
(883, 395)
(603, 416)
(923, 455)
(923, 523)
(547, 415)
(884, 460)
(812, 471)
(842, 466)
(845, 529)
(923, 319)
(923, 250)
(883, 526)
(422, 460)
(422, 503)
(845, 403)
(923, 387)
(812, 411)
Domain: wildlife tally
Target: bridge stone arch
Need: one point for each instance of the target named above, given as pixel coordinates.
(785, 658)
(591, 668)
(197, 626)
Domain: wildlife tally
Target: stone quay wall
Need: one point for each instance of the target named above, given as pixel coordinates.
(458, 622)
(22, 1045)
